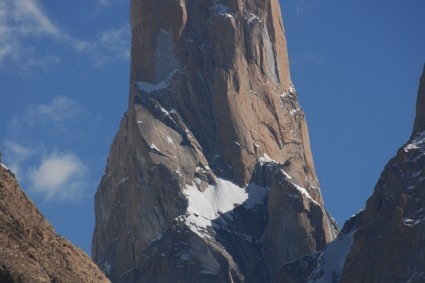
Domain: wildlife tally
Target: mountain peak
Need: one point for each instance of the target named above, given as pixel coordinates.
(211, 169)
(419, 124)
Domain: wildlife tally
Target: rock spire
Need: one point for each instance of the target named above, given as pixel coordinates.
(420, 106)
(210, 177)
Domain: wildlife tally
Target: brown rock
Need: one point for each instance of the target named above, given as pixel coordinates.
(386, 241)
(30, 249)
(213, 151)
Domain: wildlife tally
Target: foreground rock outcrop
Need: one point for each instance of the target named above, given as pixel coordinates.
(210, 177)
(386, 241)
(30, 250)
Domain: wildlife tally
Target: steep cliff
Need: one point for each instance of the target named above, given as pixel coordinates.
(30, 250)
(389, 242)
(386, 241)
(210, 177)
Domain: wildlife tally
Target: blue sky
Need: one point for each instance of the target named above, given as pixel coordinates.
(64, 68)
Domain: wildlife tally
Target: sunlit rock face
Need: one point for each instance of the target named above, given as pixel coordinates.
(210, 177)
(30, 249)
(386, 241)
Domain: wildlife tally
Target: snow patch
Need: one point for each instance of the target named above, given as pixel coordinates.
(169, 140)
(197, 181)
(148, 88)
(304, 192)
(253, 18)
(107, 268)
(294, 111)
(266, 158)
(286, 174)
(288, 93)
(222, 10)
(331, 261)
(417, 143)
(215, 200)
(153, 147)
(208, 272)
(123, 180)
(4, 166)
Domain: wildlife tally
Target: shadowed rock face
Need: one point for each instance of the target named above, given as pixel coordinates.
(30, 250)
(210, 177)
(384, 242)
(420, 106)
(389, 243)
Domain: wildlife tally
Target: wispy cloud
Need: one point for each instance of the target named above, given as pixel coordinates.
(22, 21)
(32, 19)
(59, 177)
(55, 176)
(115, 42)
(104, 2)
(59, 109)
(300, 6)
(17, 154)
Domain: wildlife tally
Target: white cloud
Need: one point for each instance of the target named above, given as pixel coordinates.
(19, 151)
(56, 111)
(32, 19)
(22, 21)
(104, 2)
(114, 43)
(300, 6)
(59, 177)
(16, 153)
(56, 176)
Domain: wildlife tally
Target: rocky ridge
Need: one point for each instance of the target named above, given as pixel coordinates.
(30, 249)
(210, 177)
(385, 241)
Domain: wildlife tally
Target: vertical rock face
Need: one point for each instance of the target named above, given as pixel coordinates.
(386, 241)
(420, 106)
(30, 250)
(210, 177)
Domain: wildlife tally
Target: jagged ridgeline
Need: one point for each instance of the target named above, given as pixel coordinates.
(385, 242)
(210, 177)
